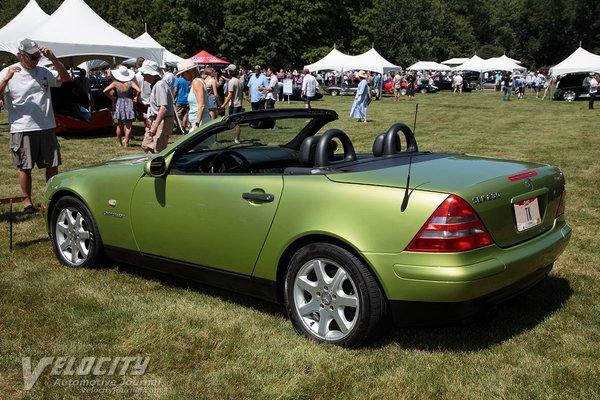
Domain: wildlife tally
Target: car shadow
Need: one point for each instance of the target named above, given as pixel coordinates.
(509, 319)
(186, 284)
(497, 325)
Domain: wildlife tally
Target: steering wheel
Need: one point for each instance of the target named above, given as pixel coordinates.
(228, 160)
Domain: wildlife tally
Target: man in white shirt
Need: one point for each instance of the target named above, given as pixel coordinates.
(31, 117)
(593, 90)
(458, 83)
(309, 88)
(271, 90)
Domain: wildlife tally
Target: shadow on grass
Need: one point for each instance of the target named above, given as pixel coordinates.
(221, 294)
(136, 130)
(507, 320)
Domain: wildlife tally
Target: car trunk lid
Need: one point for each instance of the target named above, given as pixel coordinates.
(515, 200)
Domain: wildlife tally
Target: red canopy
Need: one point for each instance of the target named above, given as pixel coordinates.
(204, 57)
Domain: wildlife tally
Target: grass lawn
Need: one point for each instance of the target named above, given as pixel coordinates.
(206, 343)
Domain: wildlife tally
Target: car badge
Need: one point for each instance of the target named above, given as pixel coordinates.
(112, 203)
(529, 184)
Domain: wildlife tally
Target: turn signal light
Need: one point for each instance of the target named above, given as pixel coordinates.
(453, 227)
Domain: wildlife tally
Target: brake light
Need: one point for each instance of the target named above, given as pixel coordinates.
(453, 227)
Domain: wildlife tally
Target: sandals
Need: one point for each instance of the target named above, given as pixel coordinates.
(30, 209)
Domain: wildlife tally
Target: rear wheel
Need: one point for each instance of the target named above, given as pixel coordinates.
(74, 234)
(423, 90)
(403, 92)
(569, 95)
(330, 296)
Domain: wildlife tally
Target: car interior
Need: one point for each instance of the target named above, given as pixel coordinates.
(292, 146)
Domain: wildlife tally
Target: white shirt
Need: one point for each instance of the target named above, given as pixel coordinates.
(309, 85)
(593, 85)
(28, 98)
(458, 79)
(272, 85)
(145, 88)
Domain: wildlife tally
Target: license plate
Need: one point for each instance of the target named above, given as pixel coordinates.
(527, 214)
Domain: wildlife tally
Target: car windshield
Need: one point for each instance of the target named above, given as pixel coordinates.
(269, 132)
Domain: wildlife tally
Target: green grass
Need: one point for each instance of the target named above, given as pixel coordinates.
(207, 343)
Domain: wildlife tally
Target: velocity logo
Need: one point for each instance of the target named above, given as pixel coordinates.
(62, 367)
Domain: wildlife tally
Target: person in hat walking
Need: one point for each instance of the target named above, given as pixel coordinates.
(159, 117)
(26, 87)
(123, 91)
(198, 95)
(362, 99)
(309, 88)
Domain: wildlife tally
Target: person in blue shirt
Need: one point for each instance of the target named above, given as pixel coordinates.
(182, 106)
(257, 85)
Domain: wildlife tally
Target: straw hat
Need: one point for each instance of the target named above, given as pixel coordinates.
(185, 65)
(122, 74)
(361, 74)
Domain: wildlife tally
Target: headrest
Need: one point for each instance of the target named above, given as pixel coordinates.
(306, 155)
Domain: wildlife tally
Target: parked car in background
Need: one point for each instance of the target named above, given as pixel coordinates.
(444, 82)
(343, 89)
(572, 87)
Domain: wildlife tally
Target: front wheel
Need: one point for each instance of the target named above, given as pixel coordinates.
(334, 92)
(74, 234)
(330, 296)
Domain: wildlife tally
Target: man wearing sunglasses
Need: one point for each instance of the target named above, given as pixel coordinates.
(26, 87)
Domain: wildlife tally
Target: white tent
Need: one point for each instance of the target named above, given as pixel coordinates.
(368, 61)
(504, 56)
(170, 59)
(456, 61)
(334, 61)
(501, 64)
(428, 66)
(75, 33)
(474, 63)
(373, 61)
(580, 61)
(19, 27)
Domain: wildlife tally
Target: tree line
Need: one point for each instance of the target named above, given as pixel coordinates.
(286, 33)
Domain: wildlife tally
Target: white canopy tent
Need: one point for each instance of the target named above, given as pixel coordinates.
(368, 61)
(170, 59)
(428, 66)
(456, 61)
(501, 64)
(580, 60)
(474, 63)
(75, 33)
(19, 27)
(504, 56)
(334, 61)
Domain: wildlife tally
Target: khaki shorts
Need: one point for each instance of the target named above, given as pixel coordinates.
(158, 142)
(39, 148)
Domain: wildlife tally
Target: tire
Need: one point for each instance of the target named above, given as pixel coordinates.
(423, 91)
(403, 92)
(569, 95)
(330, 296)
(334, 92)
(74, 234)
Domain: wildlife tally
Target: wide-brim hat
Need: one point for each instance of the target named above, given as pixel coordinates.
(361, 74)
(150, 68)
(185, 65)
(122, 74)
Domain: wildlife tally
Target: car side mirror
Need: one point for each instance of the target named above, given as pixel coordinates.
(156, 166)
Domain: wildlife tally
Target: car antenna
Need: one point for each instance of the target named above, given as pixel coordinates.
(406, 196)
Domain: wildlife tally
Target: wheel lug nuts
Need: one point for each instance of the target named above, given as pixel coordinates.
(331, 308)
(322, 306)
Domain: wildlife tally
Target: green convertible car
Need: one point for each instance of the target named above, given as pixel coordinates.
(347, 242)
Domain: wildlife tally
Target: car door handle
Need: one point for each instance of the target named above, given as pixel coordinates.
(265, 197)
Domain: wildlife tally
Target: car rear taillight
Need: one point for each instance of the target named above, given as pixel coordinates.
(453, 227)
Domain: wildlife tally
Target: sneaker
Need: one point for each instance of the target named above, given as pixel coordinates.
(236, 141)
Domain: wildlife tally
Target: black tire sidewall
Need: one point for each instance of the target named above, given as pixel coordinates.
(96, 241)
(370, 299)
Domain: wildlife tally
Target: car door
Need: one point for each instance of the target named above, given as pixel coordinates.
(212, 220)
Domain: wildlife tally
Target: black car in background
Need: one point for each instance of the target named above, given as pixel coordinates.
(573, 87)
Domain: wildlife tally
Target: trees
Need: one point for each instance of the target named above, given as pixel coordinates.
(293, 33)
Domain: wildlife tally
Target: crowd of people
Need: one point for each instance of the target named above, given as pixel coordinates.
(191, 96)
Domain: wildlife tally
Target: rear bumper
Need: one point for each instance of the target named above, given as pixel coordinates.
(462, 280)
(413, 313)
